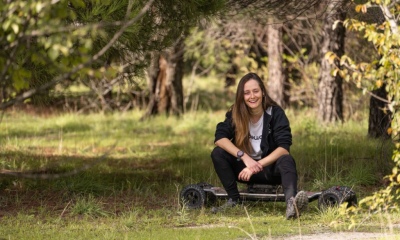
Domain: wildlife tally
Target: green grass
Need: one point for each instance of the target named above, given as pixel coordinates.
(133, 192)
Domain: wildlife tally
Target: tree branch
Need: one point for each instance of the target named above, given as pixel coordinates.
(62, 77)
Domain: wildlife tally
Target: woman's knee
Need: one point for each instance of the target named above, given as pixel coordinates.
(287, 162)
(219, 155)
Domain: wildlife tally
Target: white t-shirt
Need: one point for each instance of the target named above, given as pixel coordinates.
(255, 137)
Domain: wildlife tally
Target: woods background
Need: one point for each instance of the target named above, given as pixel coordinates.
(104, 56)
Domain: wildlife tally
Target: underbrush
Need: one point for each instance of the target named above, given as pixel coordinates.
(113, 176)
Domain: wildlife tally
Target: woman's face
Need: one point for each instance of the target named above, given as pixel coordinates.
(252, 94)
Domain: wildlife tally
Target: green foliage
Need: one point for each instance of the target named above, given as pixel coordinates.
(39, 42)
(203, 47)
(222, 43)
(45, 42)
(385, 37)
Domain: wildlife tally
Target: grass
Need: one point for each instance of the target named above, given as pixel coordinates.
(133, 192)
(134, 170)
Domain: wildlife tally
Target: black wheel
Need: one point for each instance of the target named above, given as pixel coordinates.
(329, 198)
(204, 185)
(210, 198)
(193, 196)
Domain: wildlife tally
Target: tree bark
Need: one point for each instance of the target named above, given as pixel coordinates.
(330, 92)
(379, 116)
(165, 76)
(175, 76)
(230, 75)
(276, 75)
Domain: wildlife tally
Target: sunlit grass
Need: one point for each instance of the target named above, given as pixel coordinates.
(133, 192)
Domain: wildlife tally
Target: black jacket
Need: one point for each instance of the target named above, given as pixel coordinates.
(276, 134)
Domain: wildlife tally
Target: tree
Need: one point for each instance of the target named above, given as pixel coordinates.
(241, 39)
(85, 40)
(373, 75)
(284, 9)
(330, 92)
(165, 81)
(126, 52)
(243, 43)
(379, 116)
(166, 71)
(228, 47)
(47, 38)
(276, 74)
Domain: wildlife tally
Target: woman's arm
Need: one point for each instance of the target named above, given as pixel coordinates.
(228, 146)
(282, 137)
(271, 158)
(246, 173)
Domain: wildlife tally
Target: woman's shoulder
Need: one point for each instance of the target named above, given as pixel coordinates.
(228, 113)
(275, 110)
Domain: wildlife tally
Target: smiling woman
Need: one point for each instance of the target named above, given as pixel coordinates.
(252, 98)
(253, 145)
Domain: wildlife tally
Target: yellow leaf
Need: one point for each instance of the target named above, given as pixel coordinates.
(358, 8)
(379, 83)
(389, 131)
(328, 55)
(332, 59)
(361, 8)
(39, 6)
(15, 28)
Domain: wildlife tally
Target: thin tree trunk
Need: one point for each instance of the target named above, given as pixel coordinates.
(276, 76)
(379, 120)
(152, 81)
(379, 116)
(175, 77)
(330, 92)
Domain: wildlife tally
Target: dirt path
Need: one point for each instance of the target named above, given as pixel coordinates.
(344, 236)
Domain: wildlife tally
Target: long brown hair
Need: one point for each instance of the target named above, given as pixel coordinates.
(241, 113)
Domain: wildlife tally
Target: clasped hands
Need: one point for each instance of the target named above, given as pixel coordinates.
(252, 167)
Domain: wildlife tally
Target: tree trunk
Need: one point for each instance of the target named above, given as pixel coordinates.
(276, 75)
(330, 92)
(230, 75)
(379, 115)
(175, 75)
(165, 76)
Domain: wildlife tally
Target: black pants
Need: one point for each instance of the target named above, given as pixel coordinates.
(282, 172)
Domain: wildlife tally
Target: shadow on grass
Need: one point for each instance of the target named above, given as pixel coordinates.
(45, 132)
(119, 183)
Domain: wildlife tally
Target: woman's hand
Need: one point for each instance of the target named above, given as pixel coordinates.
(245, 174)
(253, 165)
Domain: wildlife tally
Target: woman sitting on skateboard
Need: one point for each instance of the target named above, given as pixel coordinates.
(253, 145)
